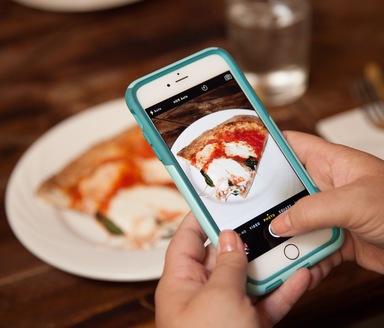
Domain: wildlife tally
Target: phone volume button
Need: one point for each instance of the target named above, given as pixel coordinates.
(137, 120)
(157, 154)
(148, 140)
(154, 149)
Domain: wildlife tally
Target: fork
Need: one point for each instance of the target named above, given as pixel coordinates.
(371, 104)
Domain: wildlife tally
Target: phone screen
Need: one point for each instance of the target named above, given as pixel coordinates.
(231, 160)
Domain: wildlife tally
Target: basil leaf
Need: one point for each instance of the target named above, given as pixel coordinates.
(207, 179)
(251, 162)
(109, 225)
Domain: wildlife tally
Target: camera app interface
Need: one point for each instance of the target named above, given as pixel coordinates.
(231, 160)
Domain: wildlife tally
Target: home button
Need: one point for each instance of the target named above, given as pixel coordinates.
(291, 251)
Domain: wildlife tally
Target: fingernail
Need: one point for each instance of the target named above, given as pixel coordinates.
(281, 225)
(228, 241)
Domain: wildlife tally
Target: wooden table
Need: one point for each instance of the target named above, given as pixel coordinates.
(53, 65)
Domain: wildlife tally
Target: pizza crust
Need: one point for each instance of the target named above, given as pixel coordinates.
(235, 124)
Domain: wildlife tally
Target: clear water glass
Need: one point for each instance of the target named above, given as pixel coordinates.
(270, 41)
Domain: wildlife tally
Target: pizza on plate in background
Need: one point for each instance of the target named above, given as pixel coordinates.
(122, 184)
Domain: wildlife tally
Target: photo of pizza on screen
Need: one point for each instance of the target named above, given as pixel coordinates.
(226, 149)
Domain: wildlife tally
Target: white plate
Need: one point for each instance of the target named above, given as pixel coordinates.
(74, 5)
(275, 180)
(49, 233)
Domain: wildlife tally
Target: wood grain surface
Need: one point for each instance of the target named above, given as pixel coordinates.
(53, 65)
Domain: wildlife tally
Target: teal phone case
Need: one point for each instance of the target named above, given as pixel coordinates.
(188, 192)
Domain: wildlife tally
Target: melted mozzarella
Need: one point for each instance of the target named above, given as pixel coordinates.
(153, 171)
(203, 156)
(241, 149)
(94, 187)
(137, 210)
(227, 169)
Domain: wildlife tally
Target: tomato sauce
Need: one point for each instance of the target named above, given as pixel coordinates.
(254, 139)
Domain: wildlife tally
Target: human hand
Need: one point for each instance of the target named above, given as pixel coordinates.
(200, 288)
(352, 185)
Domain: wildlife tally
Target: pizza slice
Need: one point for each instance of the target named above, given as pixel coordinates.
(121, 183)
(228, 155)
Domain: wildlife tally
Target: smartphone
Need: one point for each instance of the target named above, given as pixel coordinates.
(229, 160)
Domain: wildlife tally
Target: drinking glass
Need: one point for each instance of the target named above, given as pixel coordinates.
(270, 41)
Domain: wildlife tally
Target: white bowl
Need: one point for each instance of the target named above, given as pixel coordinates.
(74, 5)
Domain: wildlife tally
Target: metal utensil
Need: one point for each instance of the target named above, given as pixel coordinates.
(367, 93)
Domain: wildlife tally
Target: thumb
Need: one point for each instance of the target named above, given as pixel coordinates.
(334, 208)
(231, 262)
